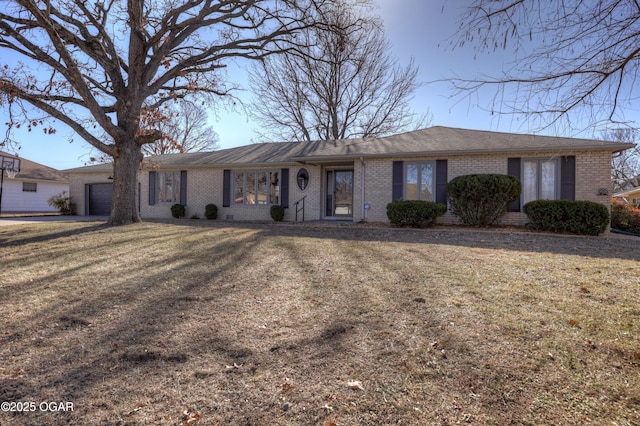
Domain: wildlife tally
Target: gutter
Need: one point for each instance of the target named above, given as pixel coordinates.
(583, 148)
(173, 166)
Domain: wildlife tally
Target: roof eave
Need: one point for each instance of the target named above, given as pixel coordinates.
(436, 153)
(203, 166)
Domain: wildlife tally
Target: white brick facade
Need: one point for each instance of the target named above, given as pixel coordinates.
(593, 173)
(205, 185)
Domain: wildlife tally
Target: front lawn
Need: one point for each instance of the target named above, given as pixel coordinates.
(201, 322)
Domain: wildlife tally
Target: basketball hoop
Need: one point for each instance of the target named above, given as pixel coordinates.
(11, 165)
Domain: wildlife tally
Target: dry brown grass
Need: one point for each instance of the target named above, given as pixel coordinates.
(210, 323)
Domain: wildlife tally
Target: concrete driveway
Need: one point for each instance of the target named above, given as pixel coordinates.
(5, 221)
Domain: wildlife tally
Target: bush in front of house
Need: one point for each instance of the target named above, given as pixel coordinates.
(481, 199)
(414, 213)
(277, 213)
(178, 211)
(63, 202)
(211, 211)
(625, 217)
(577, 217)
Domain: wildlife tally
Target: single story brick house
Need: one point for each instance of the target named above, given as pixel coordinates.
(355, 179)
(31, 188)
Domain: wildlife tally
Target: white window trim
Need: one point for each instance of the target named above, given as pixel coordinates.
(539, 161)
(244, 187)
(175, 173)
(419, 183)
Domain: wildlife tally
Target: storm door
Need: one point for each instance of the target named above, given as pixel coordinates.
(339, 193)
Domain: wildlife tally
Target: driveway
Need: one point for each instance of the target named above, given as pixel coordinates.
(5, 221)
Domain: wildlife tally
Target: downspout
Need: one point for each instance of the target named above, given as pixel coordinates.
(362, 184)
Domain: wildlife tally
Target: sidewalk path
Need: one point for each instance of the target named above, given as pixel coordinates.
(5, 221)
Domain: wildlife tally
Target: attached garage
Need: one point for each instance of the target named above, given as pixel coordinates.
(98, 199)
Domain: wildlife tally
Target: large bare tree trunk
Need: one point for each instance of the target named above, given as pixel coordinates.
(126, 164)
(110, 70)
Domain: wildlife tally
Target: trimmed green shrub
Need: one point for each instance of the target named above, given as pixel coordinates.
(418, 214)
(625, 217)
(277, 213)
(178, 211)
(480, 200)
(577, 217)
(63, 202)
(211, 211)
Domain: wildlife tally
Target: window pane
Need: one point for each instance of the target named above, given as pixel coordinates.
(176, 187)
(251, 188)
(29, 187)
(170, 186)
(274, 189)
(161, 187)
(529, 181)
(426, 182)
(239, 188)
(411, 182)
(548, 180)
(262, 188)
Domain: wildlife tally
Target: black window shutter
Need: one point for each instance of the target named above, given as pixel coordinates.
(568, 177)
(152, 188)
(183, 187)
(284, 188)
(226, 188)
(397, 180)
(513, 169)
(441, 181)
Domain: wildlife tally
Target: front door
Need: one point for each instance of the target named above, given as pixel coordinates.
(339, 201)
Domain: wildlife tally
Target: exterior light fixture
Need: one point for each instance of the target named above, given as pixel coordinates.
(303, 179)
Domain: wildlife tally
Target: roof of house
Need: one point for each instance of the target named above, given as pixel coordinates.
(259, 154)
(440, 140)
(436, 140)
(634, 191)
(30, 170)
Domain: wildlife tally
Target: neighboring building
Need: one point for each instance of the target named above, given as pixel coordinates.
(355, 179)
(632, 196)
(32, 186)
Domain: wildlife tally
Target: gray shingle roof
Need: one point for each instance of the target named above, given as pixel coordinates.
(452, 141)
(431, 141)
(259, 154)
(30, 170)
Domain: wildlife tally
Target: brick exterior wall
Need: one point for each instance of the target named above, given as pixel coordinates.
(205, 185)
(593, 172)
(77, 183)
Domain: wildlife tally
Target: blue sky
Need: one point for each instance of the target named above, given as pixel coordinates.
(416, 28)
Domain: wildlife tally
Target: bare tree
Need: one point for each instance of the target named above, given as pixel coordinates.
(107, 67)
(343, 84)
(574, 59)
(625, 165)
(185, 130)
